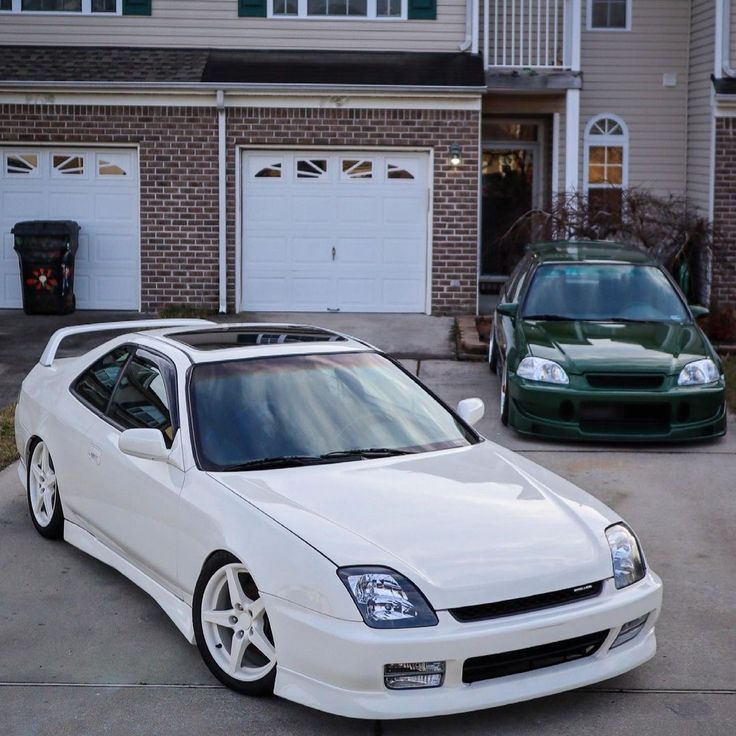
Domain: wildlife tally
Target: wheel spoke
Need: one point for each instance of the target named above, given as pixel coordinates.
(38, 502)
(50, 479)
(256, 608)
(44, 459)
(37, 473)
(220, 618)
(237, 649)
(259, 641)
(235, 589)
(48, 501)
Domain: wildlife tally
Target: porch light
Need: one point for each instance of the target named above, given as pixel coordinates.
(456, 155)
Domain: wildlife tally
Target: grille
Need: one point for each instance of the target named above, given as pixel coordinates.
(610, 416)
(477, 669)
(468, 614)
(625, 381)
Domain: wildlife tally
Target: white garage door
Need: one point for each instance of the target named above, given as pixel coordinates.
(97, 188)
(335, 231)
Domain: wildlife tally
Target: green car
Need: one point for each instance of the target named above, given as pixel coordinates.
(595, 341)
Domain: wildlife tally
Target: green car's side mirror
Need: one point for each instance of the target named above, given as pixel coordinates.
(699, 311)
(508, 310)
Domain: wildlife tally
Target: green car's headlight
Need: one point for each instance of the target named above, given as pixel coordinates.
(698, 372)
(386, 599)
(626, 557)
(538, 369)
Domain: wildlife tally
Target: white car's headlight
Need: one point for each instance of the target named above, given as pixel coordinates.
(538, 369)
(698, 372)
(628, 563)
(386, 599)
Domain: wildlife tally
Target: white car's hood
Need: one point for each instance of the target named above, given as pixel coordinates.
(472, 525)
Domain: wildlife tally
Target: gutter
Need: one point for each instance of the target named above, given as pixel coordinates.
(222, 199)
(465, 45)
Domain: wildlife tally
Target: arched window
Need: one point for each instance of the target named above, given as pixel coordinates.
(606, 161)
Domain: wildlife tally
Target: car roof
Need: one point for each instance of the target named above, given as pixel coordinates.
(234, 341)
(563, 251)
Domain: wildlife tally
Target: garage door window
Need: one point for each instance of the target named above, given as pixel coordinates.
(397, 172)
(108, 166)
(312, 168)
(66, 165)
(272, 171)
(357, 169)
(21, 163)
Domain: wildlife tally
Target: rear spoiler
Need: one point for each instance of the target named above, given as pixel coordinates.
(48, 355)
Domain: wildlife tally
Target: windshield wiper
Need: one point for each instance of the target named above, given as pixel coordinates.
(368, 452)
(549, 317)
(282, 461)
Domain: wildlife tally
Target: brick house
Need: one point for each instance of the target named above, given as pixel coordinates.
(358, 156)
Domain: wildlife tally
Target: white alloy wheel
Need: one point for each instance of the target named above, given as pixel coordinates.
(42, 489)
(235, 626)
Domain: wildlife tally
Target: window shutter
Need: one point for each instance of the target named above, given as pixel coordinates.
(422, 10)
(252, 8)
(136, 7)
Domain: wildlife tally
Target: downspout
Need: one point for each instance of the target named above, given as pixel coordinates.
(465, 45)
(222, 199)
(724, 60)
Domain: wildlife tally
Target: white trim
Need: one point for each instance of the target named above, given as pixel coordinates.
(222, 201)
(391, 100)
(555, 175)
(430, 229)
(238, 226)
(575, 38)
(86, 9)
(589, 20)
(303, 13)
(572, 140)
(712, 170)
(479, 218)
(606, 140)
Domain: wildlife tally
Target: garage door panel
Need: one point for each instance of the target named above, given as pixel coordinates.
(376, 225)
(103, 199)
(267, 251)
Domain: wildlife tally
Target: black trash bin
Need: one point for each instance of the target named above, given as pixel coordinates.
(46, 251)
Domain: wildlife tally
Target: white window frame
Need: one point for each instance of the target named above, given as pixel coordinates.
(302, 13)
(596, 29)
(621, 141)
(86, 9)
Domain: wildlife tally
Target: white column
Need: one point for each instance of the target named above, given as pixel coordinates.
(576, 16)
(572, 139)
(555, 155)
(222, 200)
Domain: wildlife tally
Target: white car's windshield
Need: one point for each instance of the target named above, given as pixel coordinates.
(301, 409)
(604, 292)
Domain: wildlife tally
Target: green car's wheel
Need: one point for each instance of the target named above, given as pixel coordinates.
(504, 403)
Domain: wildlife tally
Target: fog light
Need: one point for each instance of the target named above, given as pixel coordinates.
(630, 630)
(407, 675)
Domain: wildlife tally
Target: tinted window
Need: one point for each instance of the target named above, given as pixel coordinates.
(95, 385)
(141, 398)
(603, 291)
(516, 280)
(246, 410)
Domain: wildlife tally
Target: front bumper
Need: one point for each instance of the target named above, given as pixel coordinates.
(568, 412)
(337, 666)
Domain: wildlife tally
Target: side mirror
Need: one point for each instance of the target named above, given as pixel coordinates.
(508, 310)
(699, 311)
(471, 410)
(145, 443)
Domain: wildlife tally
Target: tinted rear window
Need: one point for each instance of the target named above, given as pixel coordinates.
(95, 385)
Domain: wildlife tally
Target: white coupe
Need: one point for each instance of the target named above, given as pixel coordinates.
(323, 527)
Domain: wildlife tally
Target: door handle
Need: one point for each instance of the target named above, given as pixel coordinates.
(334, 252)
(95, 454)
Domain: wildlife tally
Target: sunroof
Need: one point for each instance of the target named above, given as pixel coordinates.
(233, 337)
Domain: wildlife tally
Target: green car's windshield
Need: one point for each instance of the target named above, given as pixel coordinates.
(302, 409)
(602, 292)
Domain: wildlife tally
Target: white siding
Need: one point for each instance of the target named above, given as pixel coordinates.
(622, 74)
(215, 24)
(699, 112)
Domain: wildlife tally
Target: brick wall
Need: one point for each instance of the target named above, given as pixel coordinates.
(178, 175)
(724, 213)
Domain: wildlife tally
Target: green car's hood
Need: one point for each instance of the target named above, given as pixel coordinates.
(615, 346)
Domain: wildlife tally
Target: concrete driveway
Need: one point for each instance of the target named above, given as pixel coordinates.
(83, 651)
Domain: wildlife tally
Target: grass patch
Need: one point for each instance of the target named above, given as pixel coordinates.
(8, 453)
(729, 369)
(186, 311)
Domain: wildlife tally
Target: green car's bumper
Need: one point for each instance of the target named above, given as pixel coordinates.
(669, 414)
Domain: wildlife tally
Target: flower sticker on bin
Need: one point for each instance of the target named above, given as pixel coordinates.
(43, 278)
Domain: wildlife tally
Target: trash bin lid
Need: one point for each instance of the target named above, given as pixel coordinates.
(46, 227)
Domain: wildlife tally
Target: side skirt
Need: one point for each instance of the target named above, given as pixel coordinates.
(178, 611)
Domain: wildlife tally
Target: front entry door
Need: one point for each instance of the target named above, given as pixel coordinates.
(509, 180)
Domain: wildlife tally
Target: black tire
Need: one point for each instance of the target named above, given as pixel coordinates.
(259, 687)
(53, 527)
(504, 388)
(493, 356)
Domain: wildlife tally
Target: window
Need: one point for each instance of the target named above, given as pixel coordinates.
(609, 15)
(95, 385)
(141, 399)
(606, 161)
(375, 9)
(21, 163)
(62, 6)
(68, 165)
(311, 168)
(357, 169)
